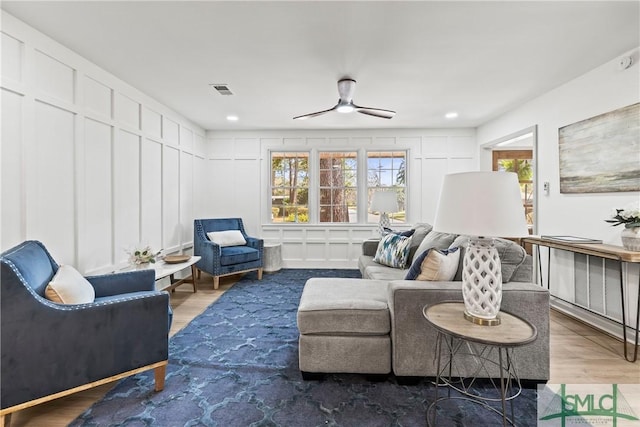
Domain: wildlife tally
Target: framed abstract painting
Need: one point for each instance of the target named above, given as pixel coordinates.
(601, 154)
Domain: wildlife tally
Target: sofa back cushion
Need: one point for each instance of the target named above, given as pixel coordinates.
(420, 232)
(393, 251)
(512, 256)
(437, 240)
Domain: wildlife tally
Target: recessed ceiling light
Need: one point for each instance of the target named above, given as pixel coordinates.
(232, 118)
(451, 115)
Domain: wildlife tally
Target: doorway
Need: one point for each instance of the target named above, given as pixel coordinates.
(517, 153)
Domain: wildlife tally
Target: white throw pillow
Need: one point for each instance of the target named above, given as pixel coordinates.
(227, 238)
(68, 286)
(435, 265)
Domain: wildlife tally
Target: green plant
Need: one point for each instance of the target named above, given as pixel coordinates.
(143, 255)
(629, 216)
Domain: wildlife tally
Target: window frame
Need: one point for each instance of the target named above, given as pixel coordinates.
(362, 196)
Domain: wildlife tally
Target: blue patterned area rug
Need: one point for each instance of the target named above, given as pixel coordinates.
(236, 364)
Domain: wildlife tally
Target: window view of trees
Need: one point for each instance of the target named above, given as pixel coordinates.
(290, 187)
(387, 169)
(520, 162)
(338, 186)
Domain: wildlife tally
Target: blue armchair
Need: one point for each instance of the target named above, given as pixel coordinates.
(50, 350)
(223, 261)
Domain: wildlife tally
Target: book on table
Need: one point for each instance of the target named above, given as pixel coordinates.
(570, 239)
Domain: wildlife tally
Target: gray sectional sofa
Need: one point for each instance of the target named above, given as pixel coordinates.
(375, 325)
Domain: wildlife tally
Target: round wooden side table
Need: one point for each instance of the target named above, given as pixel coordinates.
(483, 348)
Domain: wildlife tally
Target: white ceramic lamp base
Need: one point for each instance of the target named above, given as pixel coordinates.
(384, 223)
(482, 282)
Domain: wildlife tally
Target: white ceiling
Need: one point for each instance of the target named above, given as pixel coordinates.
(282, 59)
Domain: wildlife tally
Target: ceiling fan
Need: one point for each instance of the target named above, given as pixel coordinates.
(346, 88)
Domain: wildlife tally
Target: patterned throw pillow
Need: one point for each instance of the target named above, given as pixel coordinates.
(435, 265)
(393, 250)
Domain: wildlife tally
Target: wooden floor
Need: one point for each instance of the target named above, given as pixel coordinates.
(579, 355)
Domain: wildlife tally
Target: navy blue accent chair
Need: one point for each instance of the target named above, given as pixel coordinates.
(223, 261)
(50, 350)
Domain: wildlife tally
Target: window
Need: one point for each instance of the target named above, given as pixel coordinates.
(338, 186)
(289, 187)
(387, 170)
(324, 187)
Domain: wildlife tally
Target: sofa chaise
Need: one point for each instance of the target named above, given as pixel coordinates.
(375, 325)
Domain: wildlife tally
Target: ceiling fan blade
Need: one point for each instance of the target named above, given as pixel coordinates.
(318, 113)
(375, 112)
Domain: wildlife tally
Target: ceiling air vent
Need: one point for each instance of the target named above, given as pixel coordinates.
(222, 88)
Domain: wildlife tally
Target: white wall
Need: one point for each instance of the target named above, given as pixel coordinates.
(90, 165)
(239, 167)
(601, 90)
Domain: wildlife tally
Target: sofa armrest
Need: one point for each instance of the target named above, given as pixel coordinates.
(370, 246)
(255, 242)
(123, 283)
(413, 352)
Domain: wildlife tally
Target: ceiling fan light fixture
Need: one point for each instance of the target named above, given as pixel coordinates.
(345, 108)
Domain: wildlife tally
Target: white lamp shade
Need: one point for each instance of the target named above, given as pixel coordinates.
(384, 201)
(485, 204)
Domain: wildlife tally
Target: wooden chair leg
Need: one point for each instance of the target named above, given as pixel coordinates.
(159, 374)
(5, 420)
(260, 274)
(216, 282)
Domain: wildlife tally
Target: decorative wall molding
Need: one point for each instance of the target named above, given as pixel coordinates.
(91, 165)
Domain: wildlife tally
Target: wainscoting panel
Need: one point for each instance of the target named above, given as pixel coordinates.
(127, 111)
(151, 123)
(50, 208)
(54, 77)
(97, 98)
(171, 201)
(151, 193)
(186, 197)
(95, 246)
(12, 54)
(12, 178)
(85, 163)
(186, 139)
(170, 131)
(126, 192)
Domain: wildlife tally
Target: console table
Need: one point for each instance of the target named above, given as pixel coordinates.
(616, 253)
(492, 345)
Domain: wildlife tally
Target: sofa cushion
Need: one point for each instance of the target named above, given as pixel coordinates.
(238, 254)
(68, 286)
(381, 272)
(421, 230)
(393, 251)
(344, 306)
(435, 239)
(512, 256)
(435, 265)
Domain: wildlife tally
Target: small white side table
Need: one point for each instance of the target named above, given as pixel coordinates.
(272, 257)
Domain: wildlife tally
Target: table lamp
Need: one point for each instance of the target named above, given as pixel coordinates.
(384, 202)
(481, 205)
